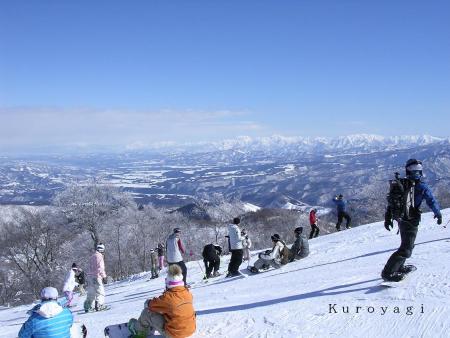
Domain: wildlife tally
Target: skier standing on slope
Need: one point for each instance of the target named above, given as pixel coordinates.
(48, 319)
(161, 256)
(341, 206)
(404, 200)
(211, 258)
(246, 245)
(279, 255)
(96, 278)
(313, 222)
(175, 249)
(300, 248)
(70, 284)
(235, 242)
(171, 314)
(154, 263)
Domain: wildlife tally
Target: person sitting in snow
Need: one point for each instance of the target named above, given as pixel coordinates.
(171, 314)
(276, 257)
(300, 248)
(48, 319)
(70, 284)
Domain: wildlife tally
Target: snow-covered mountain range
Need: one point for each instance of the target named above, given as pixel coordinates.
(335, 292)
(298, 144)
(275, 172)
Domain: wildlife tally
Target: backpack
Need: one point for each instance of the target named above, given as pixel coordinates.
(285, 254)
(81, 278)
(400, 197)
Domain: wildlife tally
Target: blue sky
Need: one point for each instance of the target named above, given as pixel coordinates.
(137, 72)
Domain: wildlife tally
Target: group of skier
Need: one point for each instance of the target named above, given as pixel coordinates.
(172, 314)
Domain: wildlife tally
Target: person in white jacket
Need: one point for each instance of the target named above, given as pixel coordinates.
(246, 244)
(70, 284)
(272, 257)
(235, 243)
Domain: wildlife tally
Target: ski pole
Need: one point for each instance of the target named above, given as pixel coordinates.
(445, 226)
(201, 269)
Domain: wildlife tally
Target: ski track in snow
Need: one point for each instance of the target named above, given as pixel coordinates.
(294, 301)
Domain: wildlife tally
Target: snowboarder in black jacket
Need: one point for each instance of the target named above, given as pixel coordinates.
(408, 220)
(211, 257)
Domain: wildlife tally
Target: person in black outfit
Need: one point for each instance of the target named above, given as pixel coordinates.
(409, 220)
(211, 258)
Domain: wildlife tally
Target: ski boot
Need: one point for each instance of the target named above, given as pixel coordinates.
(407, 268)
(253, 269)
(101, 307)
(393, 277)
(132, 323)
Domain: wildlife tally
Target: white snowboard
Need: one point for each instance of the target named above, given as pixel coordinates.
(121, 331)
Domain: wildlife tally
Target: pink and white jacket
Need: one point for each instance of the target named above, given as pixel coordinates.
(97, 265)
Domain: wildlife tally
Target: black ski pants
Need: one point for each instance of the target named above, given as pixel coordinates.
(341, 216)
(314, 231)
(408, 233)
(183, 269)
(235, 261)
(210, 265)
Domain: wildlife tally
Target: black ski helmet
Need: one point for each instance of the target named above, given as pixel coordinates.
(236, 220)
(275, 237)
(414, 169)
(298, 230)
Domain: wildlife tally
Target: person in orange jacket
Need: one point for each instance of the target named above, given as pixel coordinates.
(171, 314)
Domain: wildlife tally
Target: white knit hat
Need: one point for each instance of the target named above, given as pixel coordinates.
(174, 277)
(49, 293)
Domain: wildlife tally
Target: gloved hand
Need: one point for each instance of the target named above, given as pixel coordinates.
(388, 224)
(439, 219)
(105, 280)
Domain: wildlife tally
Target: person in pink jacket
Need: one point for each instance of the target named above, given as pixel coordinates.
(96, 276)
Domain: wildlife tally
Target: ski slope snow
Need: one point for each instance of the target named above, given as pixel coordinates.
(335, 292)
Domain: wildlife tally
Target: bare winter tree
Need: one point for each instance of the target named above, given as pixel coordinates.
(90, 207)
(31, 245)
(221, 211)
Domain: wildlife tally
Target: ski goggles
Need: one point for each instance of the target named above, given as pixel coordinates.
(415, 167)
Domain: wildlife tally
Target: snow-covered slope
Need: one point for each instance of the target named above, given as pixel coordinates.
(299, 299)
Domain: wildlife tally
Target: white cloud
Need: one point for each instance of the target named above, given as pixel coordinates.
(23, 126)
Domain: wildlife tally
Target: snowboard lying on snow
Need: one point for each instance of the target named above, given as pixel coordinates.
(121, 331)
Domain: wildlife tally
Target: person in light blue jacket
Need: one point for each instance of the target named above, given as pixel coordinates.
(48, 319)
